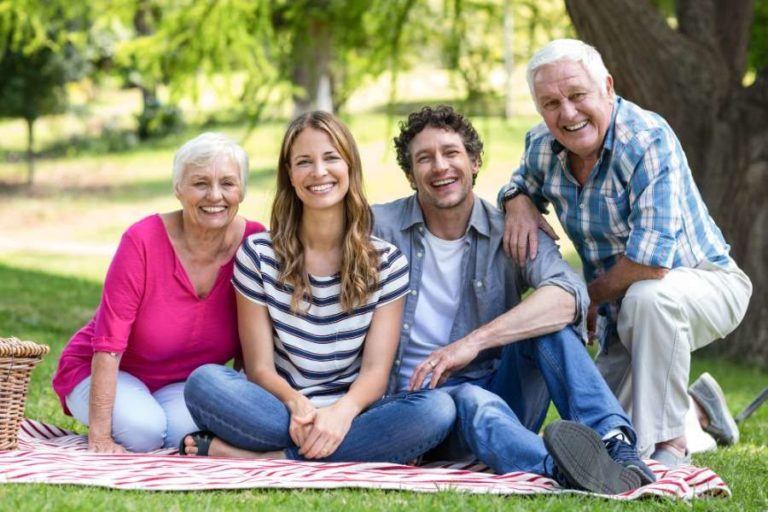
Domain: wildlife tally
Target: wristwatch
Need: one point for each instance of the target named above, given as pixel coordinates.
(512, 193)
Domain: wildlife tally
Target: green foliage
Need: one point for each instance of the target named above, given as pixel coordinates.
(474, 46)
(32, 83)
(38, 55)
(758, 46)
(158, 120)
(348, 40)
(469, 36)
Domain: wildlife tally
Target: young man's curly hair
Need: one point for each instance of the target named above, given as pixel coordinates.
(441, 116)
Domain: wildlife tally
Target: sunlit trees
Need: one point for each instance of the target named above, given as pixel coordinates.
(38, 56)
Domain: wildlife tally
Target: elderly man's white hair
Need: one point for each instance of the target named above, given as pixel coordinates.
(568, 49)
(206, 149)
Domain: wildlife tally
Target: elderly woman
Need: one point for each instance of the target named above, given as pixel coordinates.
(167, 307)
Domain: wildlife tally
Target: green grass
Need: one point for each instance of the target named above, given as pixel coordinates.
(55, 245)
(49, 307)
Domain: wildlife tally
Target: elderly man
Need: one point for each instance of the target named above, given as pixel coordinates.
(467, 328)
(660, 280)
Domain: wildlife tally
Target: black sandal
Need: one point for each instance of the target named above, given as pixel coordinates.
(202, 438)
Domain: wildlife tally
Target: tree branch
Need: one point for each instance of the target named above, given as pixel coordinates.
(696, 21)
(646, 56)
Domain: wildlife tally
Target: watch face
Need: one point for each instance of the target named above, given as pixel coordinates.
(514, 191)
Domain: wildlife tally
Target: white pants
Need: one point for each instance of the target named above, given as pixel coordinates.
(659, 324)
(141, 421)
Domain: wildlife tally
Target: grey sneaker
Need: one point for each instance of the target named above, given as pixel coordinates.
(707, 393)
(581, 461)
(671, 458)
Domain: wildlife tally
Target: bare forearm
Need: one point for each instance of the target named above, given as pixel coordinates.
(270, 380)
(546, 310)
(369, 386)
(104, 368)
(615, 282)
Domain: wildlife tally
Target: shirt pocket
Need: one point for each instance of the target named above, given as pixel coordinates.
(617, 212)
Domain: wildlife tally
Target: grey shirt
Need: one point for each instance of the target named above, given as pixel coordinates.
(491, 282)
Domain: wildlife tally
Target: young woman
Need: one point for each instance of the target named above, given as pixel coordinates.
(319, 308)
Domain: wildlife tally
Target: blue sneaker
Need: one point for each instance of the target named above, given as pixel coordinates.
(625, 453)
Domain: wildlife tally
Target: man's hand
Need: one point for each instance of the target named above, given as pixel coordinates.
(614, 283)
(521, 225)
(592, 323)
(104, 445)
(442, 363)
(329, 429)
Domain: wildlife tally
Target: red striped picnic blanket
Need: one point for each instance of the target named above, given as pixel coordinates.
(49, 454)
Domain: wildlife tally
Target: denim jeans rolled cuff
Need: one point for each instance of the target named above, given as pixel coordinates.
(396, 428)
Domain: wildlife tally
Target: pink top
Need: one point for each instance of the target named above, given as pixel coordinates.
(150, 313)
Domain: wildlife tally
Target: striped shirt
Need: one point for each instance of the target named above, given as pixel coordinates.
(639, 200)
(318, 351)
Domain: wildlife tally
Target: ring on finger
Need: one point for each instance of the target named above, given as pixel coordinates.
(432, 364)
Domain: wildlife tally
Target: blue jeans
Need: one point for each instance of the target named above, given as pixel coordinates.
(498, 417)
(396, 428)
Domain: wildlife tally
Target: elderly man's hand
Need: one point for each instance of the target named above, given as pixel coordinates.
(442, 363)
(521, 226)
(592, 324)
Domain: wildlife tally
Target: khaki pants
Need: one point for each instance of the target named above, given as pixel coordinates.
(659, 324)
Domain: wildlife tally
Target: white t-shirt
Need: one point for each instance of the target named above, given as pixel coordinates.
(437, 303)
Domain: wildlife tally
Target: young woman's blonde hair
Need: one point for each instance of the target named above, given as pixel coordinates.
(359, 260)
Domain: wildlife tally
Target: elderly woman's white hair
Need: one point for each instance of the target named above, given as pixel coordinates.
(205, 150)
(568, 49)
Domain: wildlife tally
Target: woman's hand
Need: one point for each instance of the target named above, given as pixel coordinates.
(328, 430)
(104, 445)
(303, 415)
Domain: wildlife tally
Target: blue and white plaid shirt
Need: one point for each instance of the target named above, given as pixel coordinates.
(639, 201)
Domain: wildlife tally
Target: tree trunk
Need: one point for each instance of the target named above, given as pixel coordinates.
(692, 76)
(312, 50)
(30, 151)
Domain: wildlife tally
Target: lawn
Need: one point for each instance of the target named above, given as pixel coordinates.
(55, 244)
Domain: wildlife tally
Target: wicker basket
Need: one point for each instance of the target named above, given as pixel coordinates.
(17, 359)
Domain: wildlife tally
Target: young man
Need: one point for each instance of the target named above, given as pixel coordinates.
(467, 329)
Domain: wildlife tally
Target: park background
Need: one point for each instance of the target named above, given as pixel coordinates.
(95, 97)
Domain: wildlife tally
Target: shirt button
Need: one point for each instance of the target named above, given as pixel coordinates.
(479, 284)
(581, 205)
(413, 292)
(397, 361)
(421, 229)
(419, 254)
(406, 327)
